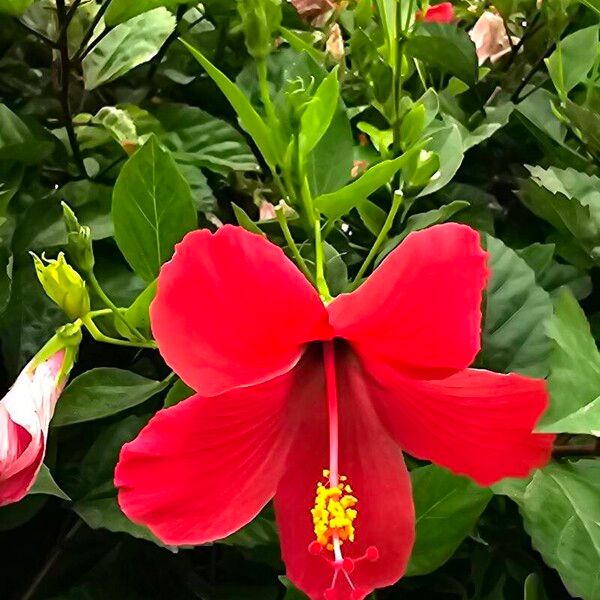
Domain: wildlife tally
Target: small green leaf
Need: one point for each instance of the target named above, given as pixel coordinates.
(178, 392)
(533, 588)
(319, 113)
(45, 484)
(123, 10)
(103, 392)
(516, 312)
(244, 220)
(152, 209)
(574, 380)
(250, 120)
(573, 59)
(128, 45)
(336, 204)
(447, 508)
(138, 314)
(561, 513)
(14, 7)
(447, 48)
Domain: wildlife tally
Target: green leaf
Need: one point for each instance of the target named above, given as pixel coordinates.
(515, 316)
(592, 5)
(573, 59)
(496, 118)
(249, 119)
(318, 114)
(243, 220)
(422, 221)
(195, 137)
(128, 45)
(45, 484)
(138, 314)
(152, 209)
(336, 204)
(574, 380)
(105, 513)
(14, 7)
(551, 275)
(587, 123)
(103, 392)
(446, 141)
(533, 588)
(561, 513)
(18, 142)
(447, 48)
(122, 10)
(570, 201)
(447, 508)
(291, 592)
(178, 392)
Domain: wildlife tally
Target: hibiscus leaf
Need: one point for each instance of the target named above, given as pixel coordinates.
(128, 45)
(336, 204)
(250, 120)
(447, 508)
(123, 10)
(197, 138)
(14, 7)
(152, 209)
(138, 314)
(515, 315)
(45, 484)
(574, 380)
(561, 513)
(103, 392)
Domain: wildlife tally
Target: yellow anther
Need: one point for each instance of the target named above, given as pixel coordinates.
(334, 513)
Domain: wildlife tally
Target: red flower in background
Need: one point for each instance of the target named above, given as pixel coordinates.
(438, 13)
(341, 387)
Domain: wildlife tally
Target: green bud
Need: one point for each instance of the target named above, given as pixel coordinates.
(67, 338)
(261, 20)
(63, 285)
(79, 240)
(424, 169)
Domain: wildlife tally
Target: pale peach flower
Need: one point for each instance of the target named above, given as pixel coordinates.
(490, 38)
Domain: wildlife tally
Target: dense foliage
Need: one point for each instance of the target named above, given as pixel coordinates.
(146, 120)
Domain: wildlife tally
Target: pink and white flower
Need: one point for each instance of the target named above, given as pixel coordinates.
(25, 414)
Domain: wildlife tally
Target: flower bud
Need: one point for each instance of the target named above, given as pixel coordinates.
(260, 21)
(63, 285)
(79, 240)
(335, 43)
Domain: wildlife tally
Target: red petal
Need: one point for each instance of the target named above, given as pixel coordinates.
(232, 310)
(205, 467)
(440, 13)
(378, 476)
(475, 423)
(420, 310)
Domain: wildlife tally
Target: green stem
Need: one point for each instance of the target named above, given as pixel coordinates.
(396, 203)
(100, 337)
(292, 244)
(111, 305)
(322, 287)
(263, 82)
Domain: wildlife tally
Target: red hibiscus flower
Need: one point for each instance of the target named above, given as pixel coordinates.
(438, 13)
(341, 387)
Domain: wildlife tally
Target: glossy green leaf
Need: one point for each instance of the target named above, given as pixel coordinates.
(515, 316)
(573, 59)
(45, 484)
(103, 392)
(533, 588)
(447, 508)
(447, 48)
(318, 114)
(249, 119)
(18, 142)
(152, 209)
(14, 7)
(552, 275)
(123, 10)
(128, 45)
(336, 204)
(574, 381)
(138, 314)
(195, 137)
(561, 513)
(570, 201)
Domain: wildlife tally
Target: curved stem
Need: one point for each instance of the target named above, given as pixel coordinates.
(111, 305)
(396, 203)
(320, 267)
(287, 234)
(100, 337)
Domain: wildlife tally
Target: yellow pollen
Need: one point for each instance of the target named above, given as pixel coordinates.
(334, 513)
